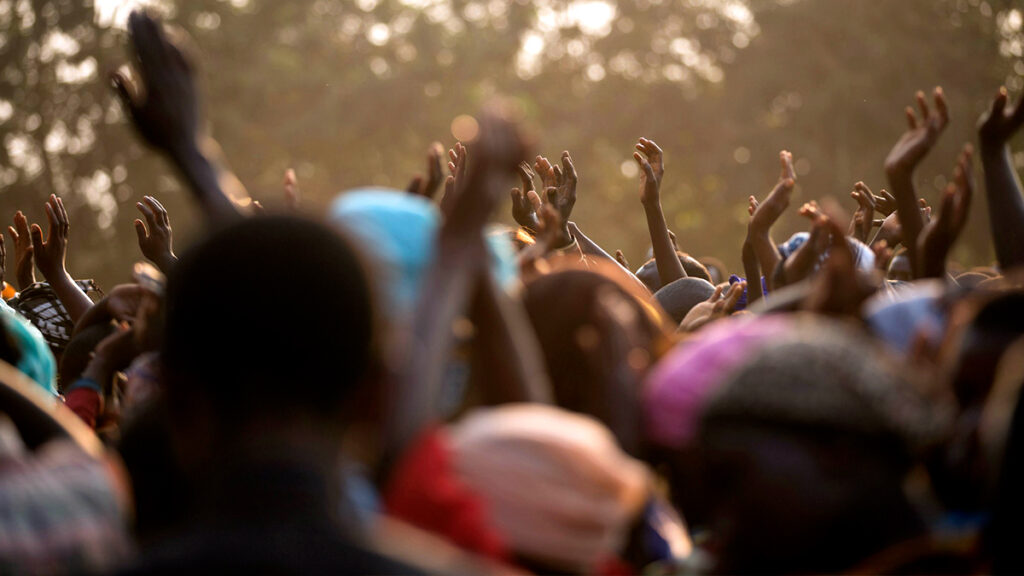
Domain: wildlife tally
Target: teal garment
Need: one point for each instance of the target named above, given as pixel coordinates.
(37, 362)
(398, 232)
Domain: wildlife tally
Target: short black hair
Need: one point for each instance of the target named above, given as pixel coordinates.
(269, 315)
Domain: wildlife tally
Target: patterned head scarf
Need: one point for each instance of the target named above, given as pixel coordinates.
(41, 306)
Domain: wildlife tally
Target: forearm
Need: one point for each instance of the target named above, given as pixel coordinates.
(764, 252)
(219, 193)
(594, 250)
(95, 314)
(907, 210)
(445, 294)
(670, 268)
(74, 299)
(1005, 205)
(750, 268)
(508, 362)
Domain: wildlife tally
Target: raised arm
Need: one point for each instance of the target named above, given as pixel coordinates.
(559, 191)
(155, 236)
(939, 235)
(507, 362)
(904, 158)
(764, 214)
(652, 168)
(165, 110)
(461, 255)
(50, 255)
(1002, 185)
(24, 263)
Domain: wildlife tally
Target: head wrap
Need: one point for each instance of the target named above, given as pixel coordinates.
(41, 306)
(823, 375)
(863, 256)
(397, 230)
(916, 309)
(678, 387)
(558, 488)
(36, 361)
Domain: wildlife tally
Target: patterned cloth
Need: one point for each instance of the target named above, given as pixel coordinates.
(35, 358)
(40, 304)
(61, 511)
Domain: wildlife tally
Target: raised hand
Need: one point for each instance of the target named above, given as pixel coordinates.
(1002, 184)
(669, 267)
(654, 156)
(904, 157)
(863, 218)
(497, 151)
(428, 187)
(939, 235)
(155, 238)
(838, 288)
(51, 253)
(525, 202)
(291, 190)
(650, 185)
(764, 214)
(621, 259)
(50, 256)
(889, 229)
(884, 202)
(802, 262)
(999, 124)
(24, 263)
(165, 109)
(921, 136)
(768, 210)
(563, 179)
(456, 180)
(163, 103)
(525, 208)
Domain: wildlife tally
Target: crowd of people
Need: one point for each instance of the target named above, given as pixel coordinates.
(454, 395)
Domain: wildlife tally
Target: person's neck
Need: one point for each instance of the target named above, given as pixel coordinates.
(275, 473)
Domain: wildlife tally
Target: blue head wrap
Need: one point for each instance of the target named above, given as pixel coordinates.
(398, 231)
(36, 360)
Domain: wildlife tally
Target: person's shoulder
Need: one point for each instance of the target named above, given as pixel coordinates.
(283, 552)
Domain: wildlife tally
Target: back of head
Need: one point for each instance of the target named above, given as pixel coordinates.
(559, 490)
(679, 297)
(648, 273)
(249, 354)
(598, 340)
(806, 448)
(79, 351)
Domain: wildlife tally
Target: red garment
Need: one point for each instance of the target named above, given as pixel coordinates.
(425, 491)
(85, 403)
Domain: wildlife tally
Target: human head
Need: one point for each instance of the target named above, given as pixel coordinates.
(598, 340)
(804, 451)
(648, 273)
(228, 347)
(679, 297)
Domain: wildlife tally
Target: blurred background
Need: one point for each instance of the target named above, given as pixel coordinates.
(352, 92)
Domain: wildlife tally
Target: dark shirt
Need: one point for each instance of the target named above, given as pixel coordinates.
(274, 520)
